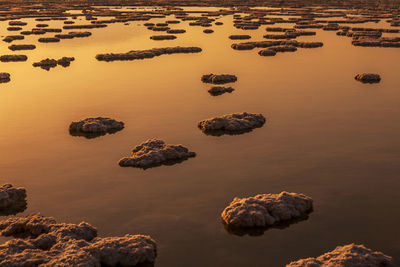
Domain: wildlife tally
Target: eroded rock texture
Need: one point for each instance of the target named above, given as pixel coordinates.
(12, 199)
(41, 241)
(155, 152)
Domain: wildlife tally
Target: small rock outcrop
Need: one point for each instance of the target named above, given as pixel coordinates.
(155, 152)
(348, 255)
(219, 90)
(218, 79)
(265, 210)
(12, 199)
(41, 241)
(236, 123)
(95, 127)
(368, 78)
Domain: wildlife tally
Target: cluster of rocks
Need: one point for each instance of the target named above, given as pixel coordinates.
(142, 54)
(48, 63)
(4, 77)
(155, 152)
(265, 210)
(235, 123)
(95, 127)
(12, 199)
(41, 241)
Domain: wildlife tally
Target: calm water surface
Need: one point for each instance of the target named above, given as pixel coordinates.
(327, 136)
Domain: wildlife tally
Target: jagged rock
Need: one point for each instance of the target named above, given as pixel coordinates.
(22, 47)
(95, 127)
(253, 215)
(235, 123)
(348, 255)
(41, 241)
(218, 79)
(12, 199)
(142, 54)
(155, 152)
(219, 90)
(368, 78)
(4, 77)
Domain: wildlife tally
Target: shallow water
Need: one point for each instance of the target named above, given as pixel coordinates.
(326, 136)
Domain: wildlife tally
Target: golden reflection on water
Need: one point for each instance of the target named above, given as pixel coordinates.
(326, 136)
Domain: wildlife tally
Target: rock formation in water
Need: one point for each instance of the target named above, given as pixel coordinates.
(218, 78)
(94, 127)
(13, 58)
(10, 38)
(266, 210)
(22, 47)
(49, 40)
(41, 241)
(12, 199)
(155, 152)
(208, 31)
(235, 123)
(4, 77)
(219, 90)
(346, 256)
(163, 37)
(239, 37)
(368, 78)
(142, 54)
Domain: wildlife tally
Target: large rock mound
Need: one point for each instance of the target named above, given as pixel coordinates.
(154, 152)
(50, 243)
(346, 256)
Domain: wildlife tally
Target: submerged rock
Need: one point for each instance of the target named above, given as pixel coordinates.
(348, 255)
(236, 123)
(368, 78)
(155, 152)
(218, 79)
(258, 213)
(219, 90)
(12, 199)
(4, 77)
(41, 241)
(142, 54)
(95, 127)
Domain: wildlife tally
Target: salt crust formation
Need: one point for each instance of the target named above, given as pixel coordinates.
(12, 199)
(266, 210)
(95, 127)
(155, 152)
(218, 78)
(347, 256)
(41, 241)
(219, 90)
(235, 123)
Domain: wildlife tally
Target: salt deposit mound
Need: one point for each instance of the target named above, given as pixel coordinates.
(45, 242)
(236, 123)
(218, 79)
(265, 210)
(95, 127)
(368, 78)
(219, 90)
(348, 255)
(4, 77)
(12, 199)
(155, 152)
(142, 54)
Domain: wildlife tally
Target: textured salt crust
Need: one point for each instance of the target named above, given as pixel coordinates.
(12, 199)
(44, 242)
(155, 152)
(4, 77)
(219, 90)
(368, 78)
(266, 210)
(235, 123)
(95, 127)
(347, 256)
(218, 79)
(142, 54)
